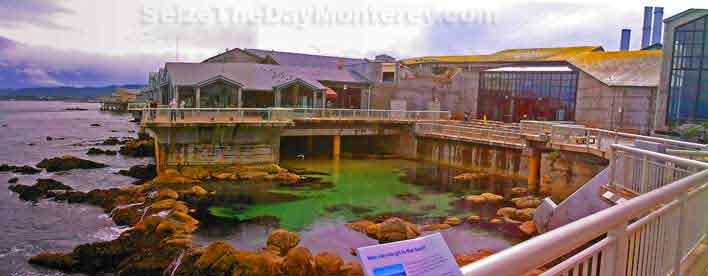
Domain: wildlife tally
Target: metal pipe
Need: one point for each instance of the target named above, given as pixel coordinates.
(657, 26)
(646, 27)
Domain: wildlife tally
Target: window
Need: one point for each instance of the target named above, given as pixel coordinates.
(388, 76)
(688, 88)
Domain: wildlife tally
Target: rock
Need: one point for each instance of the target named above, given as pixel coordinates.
(528, 228)
(166, 194)
(353, 269)
(518, 191)
(286, 177)
(54, 260)
(218, 259)
(474, 219)
(49, 138)
(452, 221)
(250, 175)
(195, 172)
(492, 198)
(526, 202)
(496, 221)
(68, 162)
(467, 176)
(476, 199)
(97, 151)
(281, 241)
(392, 229)
(198, 191)
(465, 259)
(435, 227)
(524, 214)
(42, 189)
(19, 169)
(138, 148)
(223, 176)
(360, 225)
(142, 172)
(111, 141)
(13, 180)
(298, 262)
(327, 263)
(507, 212)
(95, 125)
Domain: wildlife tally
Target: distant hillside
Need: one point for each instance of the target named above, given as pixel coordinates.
(62, 92)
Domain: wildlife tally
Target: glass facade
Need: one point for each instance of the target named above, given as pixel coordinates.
(526, 95)
(688, 88)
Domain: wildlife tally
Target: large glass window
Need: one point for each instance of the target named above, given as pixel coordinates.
(688, 90)
(526, 95)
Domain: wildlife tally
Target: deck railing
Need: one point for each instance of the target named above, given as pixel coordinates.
(510, 137)
(225, 115)
(650, 234)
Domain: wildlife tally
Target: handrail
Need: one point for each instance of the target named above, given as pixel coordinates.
(542, 249)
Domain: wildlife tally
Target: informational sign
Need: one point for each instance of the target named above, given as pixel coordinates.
(424, 256)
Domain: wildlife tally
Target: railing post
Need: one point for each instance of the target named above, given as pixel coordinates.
(681, 239)
(645, 175)
(615, 262)
(612, 168)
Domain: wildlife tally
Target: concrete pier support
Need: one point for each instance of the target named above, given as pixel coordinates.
(310, 144)
(336, 146)
(534, 168)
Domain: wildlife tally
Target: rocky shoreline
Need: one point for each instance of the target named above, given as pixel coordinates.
(161, 212)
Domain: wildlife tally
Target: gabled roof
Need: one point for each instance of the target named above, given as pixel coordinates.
(307, 60)
(621, 68)
(254, 76)
(511, 55)
(684, 13)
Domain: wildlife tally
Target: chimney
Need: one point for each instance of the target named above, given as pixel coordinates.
(646, 29)
(624, 39)
(656, 28)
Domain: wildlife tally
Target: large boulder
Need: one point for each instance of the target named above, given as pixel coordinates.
(44, 188)
(68, 162)
(492, 198)
(138, 148)
(142, 172)
(54, 260)
(281, 241)
(392, 230)
(526, 202)
(98, 151)
(298, 262)
(19, 169)
(327, 263)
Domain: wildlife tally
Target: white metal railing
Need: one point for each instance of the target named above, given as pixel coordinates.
(650, 234)
(213, 115)
(137, 106)
(511, 137)
(223, 115)
(602, 139)
(376, 114)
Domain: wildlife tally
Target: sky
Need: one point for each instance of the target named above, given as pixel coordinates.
(94, 43)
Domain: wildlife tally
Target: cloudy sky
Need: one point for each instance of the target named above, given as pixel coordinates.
(90, 43)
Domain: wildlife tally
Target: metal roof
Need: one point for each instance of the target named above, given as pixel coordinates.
(511, 55)
(298, 59)
(622, 68)
(253, 76)
(531, 69)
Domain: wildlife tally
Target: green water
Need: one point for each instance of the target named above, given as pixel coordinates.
(371, 184)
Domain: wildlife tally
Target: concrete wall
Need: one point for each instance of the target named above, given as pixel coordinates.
(216, 146)
(632, 108)
(457, 95)
(563, 173)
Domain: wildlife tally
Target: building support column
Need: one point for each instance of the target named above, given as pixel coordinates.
(197, 97)
(277, 98)
(324, 98)
(534, 169)
(239, 97)
(310, 143)
(336, 146)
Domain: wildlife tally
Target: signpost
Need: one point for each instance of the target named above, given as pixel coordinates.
(424, 256)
